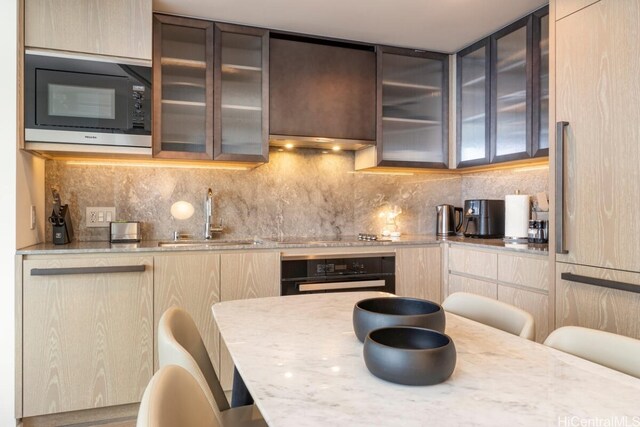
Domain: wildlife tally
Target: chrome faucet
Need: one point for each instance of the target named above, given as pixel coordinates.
(209, 228)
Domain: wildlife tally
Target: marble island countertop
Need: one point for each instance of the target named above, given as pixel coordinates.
(270, 243)
(303, 365)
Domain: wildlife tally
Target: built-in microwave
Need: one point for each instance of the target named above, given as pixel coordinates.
(76, 100)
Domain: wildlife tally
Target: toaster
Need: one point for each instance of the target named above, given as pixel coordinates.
(125, 232)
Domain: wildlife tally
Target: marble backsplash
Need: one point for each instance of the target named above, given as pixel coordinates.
(302, 193)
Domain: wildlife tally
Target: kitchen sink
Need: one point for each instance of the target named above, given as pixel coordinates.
(207, 243)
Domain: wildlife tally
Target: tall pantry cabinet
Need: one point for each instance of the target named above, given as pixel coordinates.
(597, 165)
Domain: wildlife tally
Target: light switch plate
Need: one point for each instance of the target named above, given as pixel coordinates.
(100, 216)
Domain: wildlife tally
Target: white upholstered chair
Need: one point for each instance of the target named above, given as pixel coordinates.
(180, 343)
(604, 348)
(492, 313)
(174, 398)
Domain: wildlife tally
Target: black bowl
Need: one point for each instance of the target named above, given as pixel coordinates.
(409, 355)
(375, 313)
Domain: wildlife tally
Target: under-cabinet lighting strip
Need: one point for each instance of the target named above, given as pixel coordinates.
(381, 173)
(155, 165)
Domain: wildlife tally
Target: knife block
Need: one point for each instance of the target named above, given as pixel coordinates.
(63, 234)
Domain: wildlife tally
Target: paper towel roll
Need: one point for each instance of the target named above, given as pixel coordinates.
(516, 216)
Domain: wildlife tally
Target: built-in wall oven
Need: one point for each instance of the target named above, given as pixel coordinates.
(77, 100)
(305, 274)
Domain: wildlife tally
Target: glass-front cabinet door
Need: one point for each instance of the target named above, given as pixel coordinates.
(182, 88)
(412, 108)
(541, 83)
(241, 120)
(503, 94)
(511, 92)
(473, 127)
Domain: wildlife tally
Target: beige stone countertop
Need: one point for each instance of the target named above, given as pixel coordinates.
(274, 244)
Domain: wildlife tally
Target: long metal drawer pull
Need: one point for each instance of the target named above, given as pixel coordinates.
(87, 270)
(334, 286)
(603, 283)
(559, 217)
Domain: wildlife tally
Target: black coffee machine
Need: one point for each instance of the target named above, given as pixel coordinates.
(483, 218)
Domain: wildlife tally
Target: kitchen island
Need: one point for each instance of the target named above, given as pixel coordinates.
(303, 365)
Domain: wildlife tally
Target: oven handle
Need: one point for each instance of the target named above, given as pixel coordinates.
(335, 286)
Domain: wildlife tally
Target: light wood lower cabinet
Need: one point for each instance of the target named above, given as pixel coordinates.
(88, 332)
(418, 273)
(190, 281)
(473, 286)
(477, 262)
(518, 279)
(535, 303)
(243, 276)
(597, 307)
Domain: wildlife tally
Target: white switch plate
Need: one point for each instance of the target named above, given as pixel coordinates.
(97, 216)
(33, 217)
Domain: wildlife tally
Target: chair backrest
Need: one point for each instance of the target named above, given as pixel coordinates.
(604, 348)
(492, 313)
(180, 343)
(174, 398)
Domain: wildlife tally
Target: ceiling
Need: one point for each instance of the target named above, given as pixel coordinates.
(438, 25)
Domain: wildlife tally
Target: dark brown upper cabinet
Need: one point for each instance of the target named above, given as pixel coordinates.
(241, 94)
(182, 88)
(412, 110)
(502, 94)
(320, 88)
(211, 90)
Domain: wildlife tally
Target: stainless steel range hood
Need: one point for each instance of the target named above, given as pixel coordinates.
(288, 141)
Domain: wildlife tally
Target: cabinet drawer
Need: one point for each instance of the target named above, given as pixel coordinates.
(532, 302)
(473, 286)
(597, 307)
(474, 262)
(524, 271)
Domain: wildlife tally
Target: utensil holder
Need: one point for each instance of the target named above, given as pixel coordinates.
(62, 233)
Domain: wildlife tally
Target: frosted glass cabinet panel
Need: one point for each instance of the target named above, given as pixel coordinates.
(183, 84)
(414, 101)
(242, 61)
(473, 96)
(511, 93)
(503, 94)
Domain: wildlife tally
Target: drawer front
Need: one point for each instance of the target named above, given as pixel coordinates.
(524, 271)
(598, 307)
(472, 286)
(535, 303)
(473, 262)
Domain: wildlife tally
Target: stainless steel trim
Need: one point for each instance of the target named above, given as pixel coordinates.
(603, 283)
(334, 286)
(87, 138)
(337, 255)
(559, 214)
(55, 148)
(87, 270)
(89, 57)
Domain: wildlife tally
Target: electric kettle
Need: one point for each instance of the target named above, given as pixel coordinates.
(447, 224)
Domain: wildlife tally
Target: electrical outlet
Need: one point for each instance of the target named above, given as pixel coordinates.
(100, 216)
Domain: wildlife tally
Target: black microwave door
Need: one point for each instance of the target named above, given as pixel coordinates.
(81, 100)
